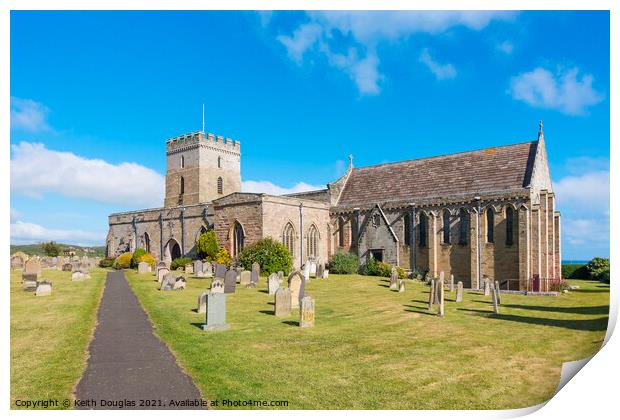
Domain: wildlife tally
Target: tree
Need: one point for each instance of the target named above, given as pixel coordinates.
(51, 249)
(207, 246)
(271, 255)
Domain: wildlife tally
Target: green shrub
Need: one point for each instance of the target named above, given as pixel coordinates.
(401, 272)
(207, 246)
(343, 263)
(575, 271)
(106, 262)
(123, 261)
(222, 257)
(598, 268)
(179, 263)
(51, 249)
(370, 267)
(147, 258)
(384, 269)
(269, 253)
(136, 255)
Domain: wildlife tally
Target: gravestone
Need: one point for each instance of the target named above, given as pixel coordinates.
(499, 299)
(60, 261)
(29, 277)
(179, 283)
(436, 294)
(255, 273)
(44, 288)
(452, 282)
(459, 291)
(230, 281)
(198, 267)
(162, 272)
(441, 311)
(273, 283)
(77, 276)
(306, 312)
(306, 272)
(220, 271)
(431, 295)
(282, 302)
(311, 268)
(30, 285)
(67, 267)
(216, 312)
(325, 273)
(441, 277)
(144, 268)
(280, 276)
(32, 266)
(207, 269)
(17, 262)
(202, 303)
(167, 282)
(245, 278)
(217, 286)
(83, 268)
(297, 285)
(401, 286)
(487, 286)
(189, 268)
(494, 294)
(394, 279)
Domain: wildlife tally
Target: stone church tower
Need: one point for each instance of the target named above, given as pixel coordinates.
(201, 168)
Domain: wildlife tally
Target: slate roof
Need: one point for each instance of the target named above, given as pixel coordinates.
(459, 174)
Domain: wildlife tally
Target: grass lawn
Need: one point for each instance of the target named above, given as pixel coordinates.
(50, 335)
(374, 348)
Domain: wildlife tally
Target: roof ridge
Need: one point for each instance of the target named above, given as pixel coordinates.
(445, 155)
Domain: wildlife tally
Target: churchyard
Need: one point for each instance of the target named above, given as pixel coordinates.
(50, 333)
(374, 346)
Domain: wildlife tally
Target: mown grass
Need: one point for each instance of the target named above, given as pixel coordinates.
(50, 335)
(374, 348)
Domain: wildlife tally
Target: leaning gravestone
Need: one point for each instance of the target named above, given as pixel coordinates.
(459, 292)
(167, 282)
(189, 268)
(197, 267)
(394, 279)
(401, 286)
(216, 312)
(499, 299)
(230, 281)
(44, 288)
(273, 283)
(202, 303)
(494, 294)
(297, 285)
(306, 312)
(220, 271)
(217, 286)
(282, 302)
(144, 268)
(245, 278)
(179, 283)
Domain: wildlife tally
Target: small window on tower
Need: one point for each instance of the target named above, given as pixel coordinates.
(182, 186)
(182, 161)
(220, 186)
(219, 161)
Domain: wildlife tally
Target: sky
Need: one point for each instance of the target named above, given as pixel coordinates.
(94, 96)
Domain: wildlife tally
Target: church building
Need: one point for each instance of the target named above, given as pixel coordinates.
(478, 214)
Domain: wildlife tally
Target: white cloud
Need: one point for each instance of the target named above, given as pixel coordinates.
(564, 91)
(15, 215)
(441, 71)
(273, 189)
(28, 115)
(589, 191)
(27, 233)
(506, 47)
(36, 170)
(363, 31)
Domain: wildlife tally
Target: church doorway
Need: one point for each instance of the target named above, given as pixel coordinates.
(377, 254)
(172, 251)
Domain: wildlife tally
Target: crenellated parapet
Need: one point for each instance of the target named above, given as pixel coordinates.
(201, 139)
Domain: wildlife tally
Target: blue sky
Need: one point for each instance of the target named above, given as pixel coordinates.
(94, 95)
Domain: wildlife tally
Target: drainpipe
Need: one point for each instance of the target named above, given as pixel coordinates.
(478, 253)
(301, 235)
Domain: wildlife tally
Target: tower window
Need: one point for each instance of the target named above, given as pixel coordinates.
(423, 229)
(446, 227)
(220, 185)
(509, 226)
(463, 227)
(219, 161)
(490, 226)
(182, 186)
(182, 161)
(407, 222)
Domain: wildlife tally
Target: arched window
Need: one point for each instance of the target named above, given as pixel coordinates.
(490, 224)
(446, 227)
(288, 238)
(182, 186)
(463, 226)
(147, 242)
(182, 161)
(423, 229)
(407, 229)
(312, 247)
(219, 161)
(237, 239)
(509, 226)
(220, 185)
(341, 232)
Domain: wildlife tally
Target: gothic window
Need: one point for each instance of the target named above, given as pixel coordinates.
(288, 238)
(463, 226)
(147, 242)
(354, 229)
(220, 185)
(407, 223)
(313, 242)
(182, 161)
(423, 229)
(182, 186)
(219, 161)
(490, 217)
(509, 225)
(341, 232)
(237, 239)
(446, 227)
(376, 220)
